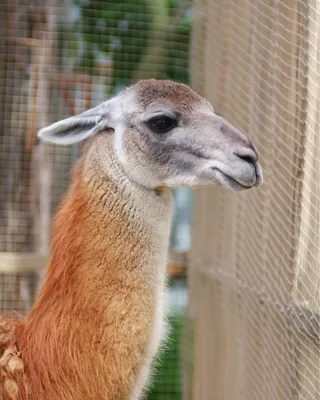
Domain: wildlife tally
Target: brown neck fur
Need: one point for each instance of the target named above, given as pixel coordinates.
(88, 333)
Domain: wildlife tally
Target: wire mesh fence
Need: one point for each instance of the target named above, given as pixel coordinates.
(253, 328)
(59, 58)
(254, 273)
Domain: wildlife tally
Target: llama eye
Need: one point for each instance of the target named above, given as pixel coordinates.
(162, 124)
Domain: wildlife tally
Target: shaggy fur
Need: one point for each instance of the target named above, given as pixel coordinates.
(87, 336)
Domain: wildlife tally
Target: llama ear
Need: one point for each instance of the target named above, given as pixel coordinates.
(75, 129)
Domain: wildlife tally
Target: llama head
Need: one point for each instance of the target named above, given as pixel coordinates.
(165, 135)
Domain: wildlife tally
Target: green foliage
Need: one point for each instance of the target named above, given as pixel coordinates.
(118, 32)
(119, 29)
(167, 380)
(177, 65)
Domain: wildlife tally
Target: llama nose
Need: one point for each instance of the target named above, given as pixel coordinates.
(249, 155)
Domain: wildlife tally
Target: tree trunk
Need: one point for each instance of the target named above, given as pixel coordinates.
(24, 30)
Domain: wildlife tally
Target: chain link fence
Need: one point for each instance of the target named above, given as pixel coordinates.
(254, 271)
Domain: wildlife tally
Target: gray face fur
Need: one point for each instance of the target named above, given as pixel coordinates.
(165, 135)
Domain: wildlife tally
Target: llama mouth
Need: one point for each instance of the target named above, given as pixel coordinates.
(229, 181)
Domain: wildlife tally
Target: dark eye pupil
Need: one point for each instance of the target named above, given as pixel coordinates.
(162, 124)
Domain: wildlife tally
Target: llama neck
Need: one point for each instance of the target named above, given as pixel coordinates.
(109, 253)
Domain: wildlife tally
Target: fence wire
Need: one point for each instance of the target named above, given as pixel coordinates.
(59, 58)
(255, 275)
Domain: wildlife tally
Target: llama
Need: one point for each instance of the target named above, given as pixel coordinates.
(99, 319)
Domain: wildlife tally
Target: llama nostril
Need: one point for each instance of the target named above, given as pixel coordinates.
(251, 159)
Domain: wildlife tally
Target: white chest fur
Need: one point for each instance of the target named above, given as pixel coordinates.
(159, 324)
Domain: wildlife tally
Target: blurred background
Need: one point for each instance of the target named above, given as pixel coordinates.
(244, 274)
